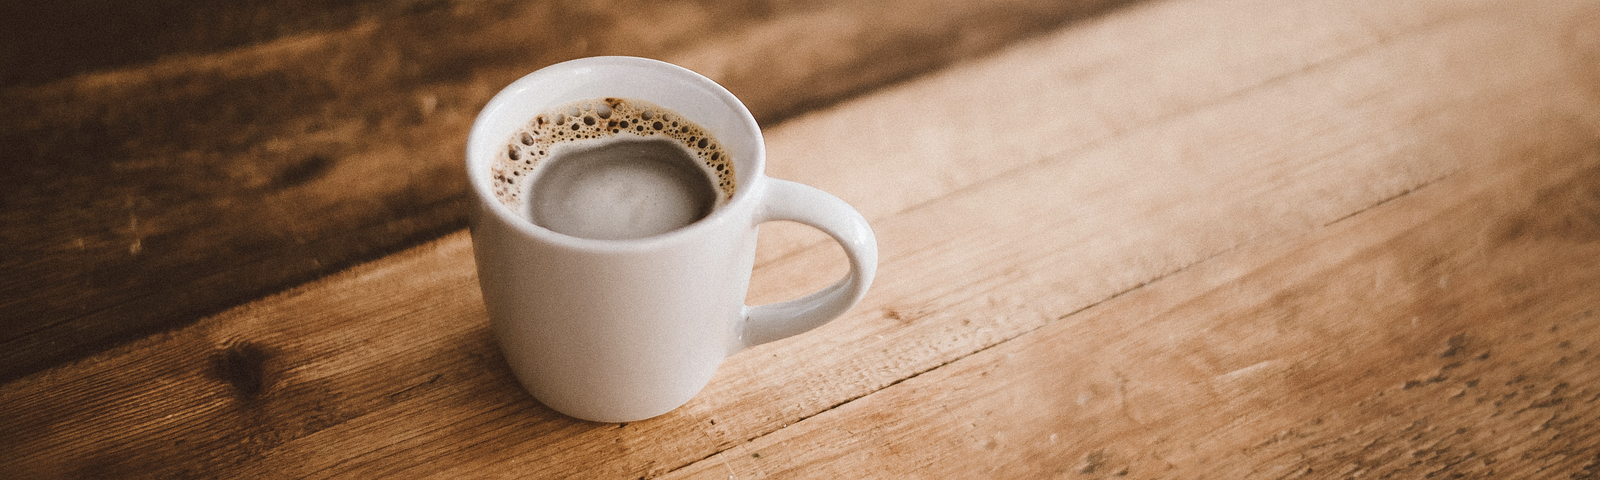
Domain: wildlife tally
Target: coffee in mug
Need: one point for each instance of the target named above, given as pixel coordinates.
(616, 205)
(613, 168)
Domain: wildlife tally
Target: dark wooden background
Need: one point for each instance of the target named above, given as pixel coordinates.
(166, 160)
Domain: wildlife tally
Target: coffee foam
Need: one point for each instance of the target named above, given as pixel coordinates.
(601, 119)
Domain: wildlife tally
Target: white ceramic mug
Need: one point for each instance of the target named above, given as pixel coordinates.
(623, 330)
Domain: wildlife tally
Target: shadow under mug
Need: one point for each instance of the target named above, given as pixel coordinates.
(624, 330)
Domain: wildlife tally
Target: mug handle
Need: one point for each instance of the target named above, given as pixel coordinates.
(797, 202)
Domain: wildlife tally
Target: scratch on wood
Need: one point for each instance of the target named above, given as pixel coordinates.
(731, 473)
(429, 381)
(1248, 370)
(1391, 198)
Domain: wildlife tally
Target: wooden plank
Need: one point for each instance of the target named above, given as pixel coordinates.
(49, 41)
(911, 145)
(388, 368)
(1448, 333)
(140, 199)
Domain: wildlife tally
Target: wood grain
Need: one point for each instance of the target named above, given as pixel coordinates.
(1357, 154)
(192, 177)
(49, 41)
(1446, 333)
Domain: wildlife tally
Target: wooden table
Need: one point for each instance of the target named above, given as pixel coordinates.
(1162, 239)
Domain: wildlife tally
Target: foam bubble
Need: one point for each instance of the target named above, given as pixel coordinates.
(603, 118)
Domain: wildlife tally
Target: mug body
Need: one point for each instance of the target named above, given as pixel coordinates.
(616, 330)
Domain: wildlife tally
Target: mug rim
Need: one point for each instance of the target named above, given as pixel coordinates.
(748, 186)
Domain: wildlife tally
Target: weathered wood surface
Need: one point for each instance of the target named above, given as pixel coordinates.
(1442, 334)
(165, 161)
(1190, 239)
